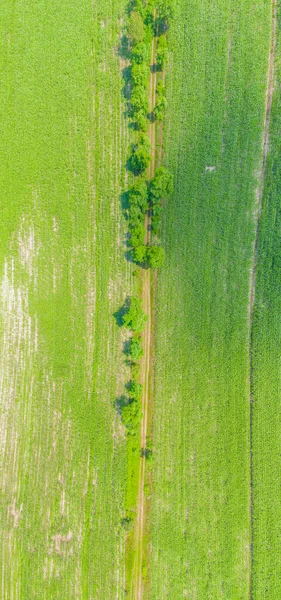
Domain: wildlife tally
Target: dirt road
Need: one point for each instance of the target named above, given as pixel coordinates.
(137, 579)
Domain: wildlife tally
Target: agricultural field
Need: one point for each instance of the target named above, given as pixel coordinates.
(140, 185)
(266, 371)
(201, 515)
(62, 168)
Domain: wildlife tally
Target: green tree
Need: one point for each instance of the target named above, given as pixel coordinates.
(135, 28)
(135, 390)
(135, 318)
(140, 157)
(139, 254)
(156, 256)
(138, 194)
(137, 235)
(139, 100)
(135, 348)
(161, 52)
(140, 119)
(131, 416)
(140, 53)
(161, 101)
(164, 15)
(161, 185)
(140, 74)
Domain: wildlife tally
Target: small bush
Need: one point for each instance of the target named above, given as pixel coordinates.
(135, 368)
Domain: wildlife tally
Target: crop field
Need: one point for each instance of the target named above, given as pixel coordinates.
(201, 516)
(62, 269)
(140, 462)
(266, 372)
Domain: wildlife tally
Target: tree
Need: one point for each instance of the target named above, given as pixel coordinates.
(161, 53)
(135, 28)
(135, 390)
(161, 185)
(131, 416)
(138, 194)
(161, 101)
(135, 318)
(137, 235)
(164, 15)
(139, 100)
(140, 53)
(140, 120)
(135, 348)
(139, 74)
(156, 256)
(139, 254)
(160, 107)
(140, 157)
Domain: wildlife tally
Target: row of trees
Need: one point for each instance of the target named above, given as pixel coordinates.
(144, 197)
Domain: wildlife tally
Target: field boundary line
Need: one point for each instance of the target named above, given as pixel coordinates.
(260, 190)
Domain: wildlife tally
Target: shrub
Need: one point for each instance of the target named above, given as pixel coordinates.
(140, 157)
(135, 318)
(135, 28)
(135, 368)
(156, 256)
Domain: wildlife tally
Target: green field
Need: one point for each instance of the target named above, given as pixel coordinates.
(204, 513)
(267, 373)
(62, 156)
(201, 525)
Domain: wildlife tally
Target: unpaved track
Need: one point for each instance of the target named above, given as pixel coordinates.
(137, 581)
(260, 190)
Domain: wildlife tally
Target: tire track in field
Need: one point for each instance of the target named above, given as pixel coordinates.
(137, 579)
(260, 190)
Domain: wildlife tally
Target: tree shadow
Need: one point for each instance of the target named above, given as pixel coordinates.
(119, 404)
(129, 256)
(153, 68)
(126, 350)
(151, 117)
(124, 201)
(120, 313)
(124, 50)
(126, 76)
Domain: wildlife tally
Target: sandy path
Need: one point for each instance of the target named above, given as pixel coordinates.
(137, 583)
(259, 195)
